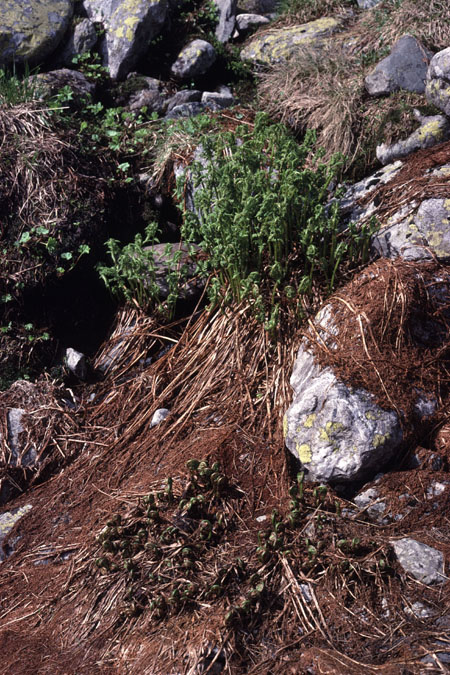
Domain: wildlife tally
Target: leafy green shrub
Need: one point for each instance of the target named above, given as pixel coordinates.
(260, 215)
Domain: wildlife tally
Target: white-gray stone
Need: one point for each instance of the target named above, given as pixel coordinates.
(195, 59)
(247, 22)
(184, 96)
(419, 611)
(339, 434)
(438, 81)
(227, 17)
(76, 363)
(424, 563)
(348, 204)
(370, 502)
(159, 416)
(404, 68)
(14, 425)
(218, 99)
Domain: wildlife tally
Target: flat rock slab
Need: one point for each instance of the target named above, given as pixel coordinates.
(423, 562)
(30, 30)
(283, 43)
(404, 68)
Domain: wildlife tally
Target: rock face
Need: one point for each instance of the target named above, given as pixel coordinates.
(129, 25)
(404, 68)
(30, 30)
(281, 44)
(82, 39)
(420, 235)
(421, 561)
(194, 59)
(438, 81)
(339, 434)
(434, 129)
(227, 18)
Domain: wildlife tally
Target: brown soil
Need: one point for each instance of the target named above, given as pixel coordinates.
(226, 388)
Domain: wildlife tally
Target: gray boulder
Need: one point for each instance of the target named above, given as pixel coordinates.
(81, 40)
(227, 17)
(438, 81)
(184, 96)
(418, 232)
(339, 434)
(248, 22)
(220, 99)
(434, 129)
(404, 68)
(163, 255)
(130, 25)
(30, 31)
(186, 110)
(195, 59)
(423, 562)
(281, 44)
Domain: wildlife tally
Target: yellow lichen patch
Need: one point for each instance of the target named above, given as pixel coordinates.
(308, 423)
(370, 415)
(9, 519)
(430, 129)
(304, 453)
(380, 439)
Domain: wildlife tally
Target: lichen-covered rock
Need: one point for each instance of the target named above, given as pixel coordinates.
(7, 522)
(195, 59)
(421, 561)
(434, 129)
(227, 17)
(247, 22)
(129, 25)
(420, 232)
(30, 30)
(282, 43)
(438, 81)
(404, 68)
(339, 434)
(81, 40)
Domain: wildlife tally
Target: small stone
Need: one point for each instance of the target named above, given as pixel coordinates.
(184, 96)
(218, 99)
(423, 562)
(195, 59)
(159, 416)
(76, 363)
(247, 22)
(404, 68)
(419, 610)
(7, 522)
(186, 110)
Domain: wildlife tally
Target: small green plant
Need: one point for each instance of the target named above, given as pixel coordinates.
(15, 89)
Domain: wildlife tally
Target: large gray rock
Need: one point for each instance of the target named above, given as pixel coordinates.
(418, 232)
(421, 561)
(282, 43)
(30, 30)
(404, 68)
(339, 434)
(130, 25)
(195, 59)
(438, 81)
(81, 40)
(227, 17)
(434, 129)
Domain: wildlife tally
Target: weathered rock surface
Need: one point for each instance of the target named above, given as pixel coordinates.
(130, 25)
(184, 96)
(222, 99)
(438, 81)
(81, 40)
(163, 255)
(227, 17)
(7, 522)
(186, 110)
(434, 129)
(421, 561)
(30, 30)
(76, 363)
(339, 434)
(419, 233)
(404, 68)
(247, 22)
(281, 44)
(195, 59)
